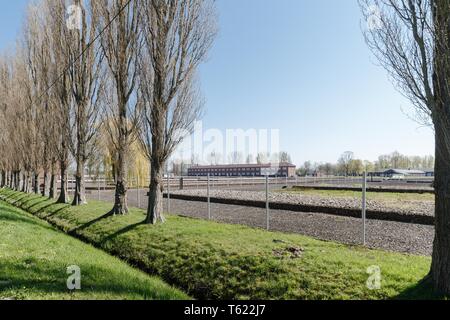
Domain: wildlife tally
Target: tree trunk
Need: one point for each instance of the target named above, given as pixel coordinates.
(20, 175)
(63, 193)
(155, 201)
(440, 267)
(2, 181)
(17, 187)
(30, 182)
(79, 197)
(46, 189)
(15, 180)
(53, 187)
(36, 183)
(120, 199)
(24, 182)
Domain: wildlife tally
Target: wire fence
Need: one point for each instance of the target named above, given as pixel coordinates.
(269, 203)
(336, 208)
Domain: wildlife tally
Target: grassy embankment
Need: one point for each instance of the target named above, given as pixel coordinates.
(211, 260)
(34, 258)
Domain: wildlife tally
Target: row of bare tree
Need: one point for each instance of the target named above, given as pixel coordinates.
(80, 68)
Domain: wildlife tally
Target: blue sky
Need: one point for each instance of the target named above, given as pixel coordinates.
(300, 66)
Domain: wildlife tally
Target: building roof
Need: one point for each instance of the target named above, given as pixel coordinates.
(235, 166)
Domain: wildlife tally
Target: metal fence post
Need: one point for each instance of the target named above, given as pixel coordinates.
(267, 204)
(209, 197)
(98, 188)
(364, 189)
(168, 193)
(138, 192)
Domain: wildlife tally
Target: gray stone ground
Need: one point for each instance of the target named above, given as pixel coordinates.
(402, 206)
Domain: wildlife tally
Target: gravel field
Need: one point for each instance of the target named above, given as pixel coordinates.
(387, 235)
(404, 207)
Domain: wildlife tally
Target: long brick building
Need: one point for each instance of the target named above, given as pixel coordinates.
(244, 170)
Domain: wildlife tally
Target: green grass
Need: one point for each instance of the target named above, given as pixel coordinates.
(34, 259)
(382, 196)
(221, 261)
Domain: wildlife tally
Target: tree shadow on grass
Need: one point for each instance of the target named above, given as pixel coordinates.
(35, 204)
(423, 290)
(92, 222)
(122, 231)
(49, 213)
(12, 216)
(26, 201)
(16, 200)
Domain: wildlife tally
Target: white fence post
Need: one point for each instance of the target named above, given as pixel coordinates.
(98, 188)
(138, 192)
(168, 193)
(209, 197)
(364, 188)
(267, 204)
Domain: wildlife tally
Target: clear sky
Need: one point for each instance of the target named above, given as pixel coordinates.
(300, 66)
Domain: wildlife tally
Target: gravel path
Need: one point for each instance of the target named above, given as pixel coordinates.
(387, 235)
(406, 207)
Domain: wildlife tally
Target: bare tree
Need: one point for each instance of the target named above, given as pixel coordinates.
(411, 40)
(7, 141)
(250, 159)
(345, 162)
(87, 85)
(263, 157)
(60, 94)
(33, 82)
(285, 157)
(178, 35)
(40, 62)
(236, 157)
(121, 43)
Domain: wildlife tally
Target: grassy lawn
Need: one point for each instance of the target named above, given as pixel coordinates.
(34, 259)
(381, 196)
(221, 261)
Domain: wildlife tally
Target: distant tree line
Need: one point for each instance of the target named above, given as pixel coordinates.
(348, 165)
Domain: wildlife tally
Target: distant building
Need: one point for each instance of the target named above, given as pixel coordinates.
(244, 170)
(389, 173)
